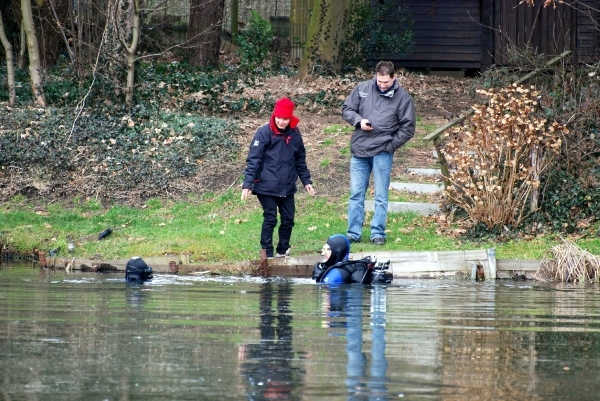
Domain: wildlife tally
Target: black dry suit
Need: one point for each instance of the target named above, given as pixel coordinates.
(339, 270)
(137, 270)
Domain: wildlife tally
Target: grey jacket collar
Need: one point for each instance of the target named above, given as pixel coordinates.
(390, 91)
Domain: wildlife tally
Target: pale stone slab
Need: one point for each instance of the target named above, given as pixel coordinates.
(424, 209)
(425, 171)
(416, 187)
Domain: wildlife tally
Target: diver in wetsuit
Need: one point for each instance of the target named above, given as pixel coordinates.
(337, 269)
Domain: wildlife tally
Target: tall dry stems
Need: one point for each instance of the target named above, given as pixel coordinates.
(490, 156)
(568, 263)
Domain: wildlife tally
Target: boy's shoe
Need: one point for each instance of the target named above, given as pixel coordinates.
(353, 240)
(378, 241)
(284, 255)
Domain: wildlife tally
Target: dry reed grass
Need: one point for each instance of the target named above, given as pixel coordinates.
(568, 263)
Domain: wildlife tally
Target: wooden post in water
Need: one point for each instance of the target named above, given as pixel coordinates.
(474, 270)
(42, 259)
(264, 265)
(173, 269)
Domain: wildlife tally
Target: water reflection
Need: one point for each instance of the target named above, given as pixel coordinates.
(134, 295)
(343, 308)
(270, 367)
(90, 336)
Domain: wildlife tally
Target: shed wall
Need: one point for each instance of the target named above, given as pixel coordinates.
(544, 30)
(447, 34)
(587, 31)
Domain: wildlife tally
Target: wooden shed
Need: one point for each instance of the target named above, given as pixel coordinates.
(474, 34)
(458, 34)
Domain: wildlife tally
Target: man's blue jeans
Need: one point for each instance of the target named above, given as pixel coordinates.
(360, 171)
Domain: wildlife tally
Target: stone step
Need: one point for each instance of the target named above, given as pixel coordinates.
(424, 209)
(417, 187)
(425, 171)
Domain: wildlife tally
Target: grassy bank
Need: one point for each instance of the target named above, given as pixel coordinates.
(219, 228)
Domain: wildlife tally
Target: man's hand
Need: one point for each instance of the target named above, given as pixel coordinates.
(310, 189)
(246, 193)
(365, 125)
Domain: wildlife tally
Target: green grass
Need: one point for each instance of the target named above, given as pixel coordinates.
(338, 129)
(325, 162)
(221, 228)
(422, 130)
(425, 129)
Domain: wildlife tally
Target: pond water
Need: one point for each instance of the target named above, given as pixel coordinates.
(89, 336)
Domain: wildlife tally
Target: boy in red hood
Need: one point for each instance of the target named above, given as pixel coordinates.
(276, 159)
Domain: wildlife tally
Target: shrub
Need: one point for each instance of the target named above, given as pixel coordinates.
(129, 156)
(570, 195)
(496, 159)
(255, 43)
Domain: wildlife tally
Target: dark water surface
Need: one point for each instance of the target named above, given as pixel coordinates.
(94, 337)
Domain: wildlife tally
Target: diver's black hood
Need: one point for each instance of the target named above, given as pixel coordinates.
(137, 270)
(340, 249)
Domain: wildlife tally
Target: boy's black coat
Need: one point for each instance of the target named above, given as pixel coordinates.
(275, 161)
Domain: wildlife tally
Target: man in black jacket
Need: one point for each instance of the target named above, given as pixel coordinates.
(384, 117)
(276, 159)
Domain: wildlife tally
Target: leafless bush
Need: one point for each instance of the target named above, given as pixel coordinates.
(497, 156)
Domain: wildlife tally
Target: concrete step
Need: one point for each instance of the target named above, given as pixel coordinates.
(425, 171)
(417, 187)
(424, 209)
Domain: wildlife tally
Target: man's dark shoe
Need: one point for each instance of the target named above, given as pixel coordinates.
(353, 240)
(378, 241)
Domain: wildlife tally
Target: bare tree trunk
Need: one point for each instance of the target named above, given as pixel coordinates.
(80, 26)
(42, 43)
(21, 58)
(326, 30)
(34, 54)
(235, 8)
(74, 43)
(204, 32)
(10, 68)
(535, 166)
(131, 49)
(62, 33)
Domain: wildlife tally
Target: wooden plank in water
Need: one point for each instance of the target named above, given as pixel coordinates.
(299, 271)
(517, 264)
(404, 264)
(477, 254)
(423, 266)
(431, 275)
(518, 269)
(295, 260)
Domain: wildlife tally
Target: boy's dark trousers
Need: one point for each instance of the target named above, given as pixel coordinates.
(287, 209)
